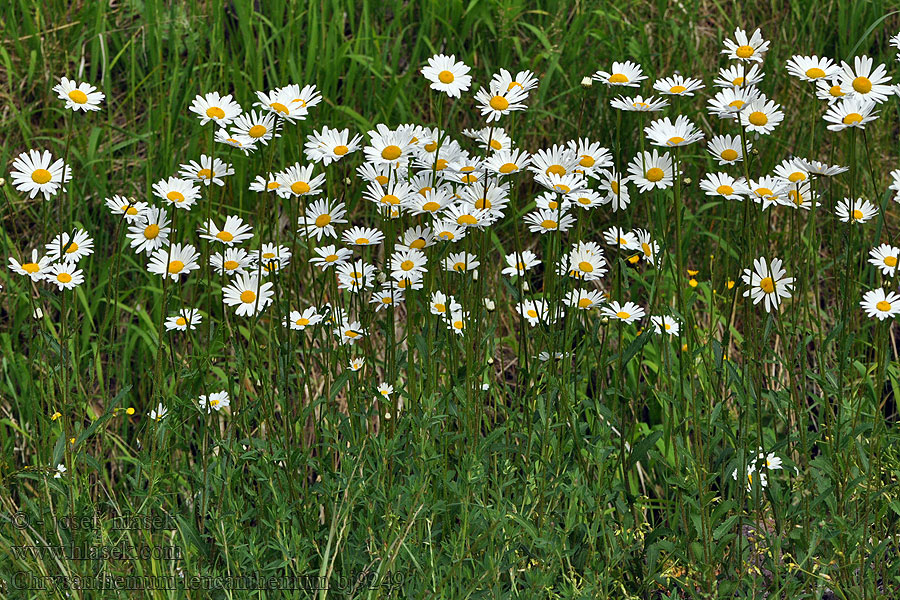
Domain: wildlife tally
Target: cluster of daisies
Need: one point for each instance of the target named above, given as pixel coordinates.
(431, 191)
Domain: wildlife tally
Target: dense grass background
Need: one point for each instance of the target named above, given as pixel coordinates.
(519, 508)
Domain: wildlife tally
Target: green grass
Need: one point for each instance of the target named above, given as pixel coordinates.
(607, 479)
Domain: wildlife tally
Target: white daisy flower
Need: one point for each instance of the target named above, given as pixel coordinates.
(64, 275)
(150, 232)
(863, 82)
(880, 304)
(248, 295)
(677, 85)
(181, 193)
(33, 173)
(628, 312)
(447, 75)
(727, 149)
(78, 96)
(71, 247)
(744, 48)
(621, 74)
(855, 211)
(812, 68)
(649, 171)
(222, 110)
(852, 111)
(36, 268)
(208, 171)
(638, 103)
(259, 127)
(130, 209)
(299, 321)
(233, 261)
(767, 282)
(761, 116)
(665, 324)
(183, 320)
(174, 261)
(214, 402)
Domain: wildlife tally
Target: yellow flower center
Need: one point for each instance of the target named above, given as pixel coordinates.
(548, 224)
(677, 89)
(883, 306)
(556, 170)
(129, 210)
(496, 145)
(586, 160)
(513, 84)
(323, 220)
(407, 265)
(446, 235)
(797, 176)
(362, 241)
(640, 104)
(214, 112)
(430, 146)
(767, 284)
(738, 104)
(446, 77)
(586, 267)
(815, 73)
(758, 118)
(618, 78)
(729, 154)
(181, 321)
(460, 266)
(499, 103)
(737, 81)
(646, 248)
(667, 326)
(836, 91)
(391, 152)
(725, 190)
(151, 231)
(417, 244)
(64, 278)
(431, 206)
(206, 173)
(764, 192)
(34, 267)
(532, 313)
(341, 150)
(231, 265)
(458, 324)
(623, 315)
(257, 131)
(73, 247)
(331, 258)
(248, 296)
(78, 97)
(862, 85)
(744, 51)
(890, 261)
(175, 196)
(614, 186)
(176, 266)
(41, 176)
(857, 214)
(674, 141)
(469, 178)
(279, 107)
(508, 168)
(654, 174)
(584, 200)
(439, 307)
(300, 187)
(584, 303)
(562, 188)
(852, 118)
(381, 179)
(390, 199)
